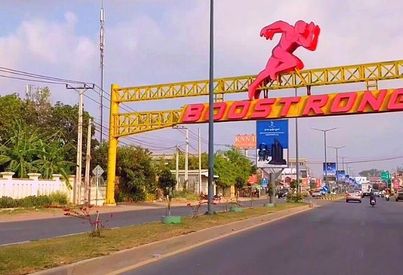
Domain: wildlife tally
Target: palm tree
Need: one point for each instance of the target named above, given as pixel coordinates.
(17, 153)
(51, 159)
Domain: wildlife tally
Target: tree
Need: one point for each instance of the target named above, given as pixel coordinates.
(19, 151)
(38, 108)
(136, 173)
(239, 184)
(12, 110)
(370, 173)
(50, 160)
(100, 157)
(166, 181)
(193, 161)
(230, 165)
(64, 120)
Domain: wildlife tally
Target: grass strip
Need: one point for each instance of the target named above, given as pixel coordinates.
(44, 254)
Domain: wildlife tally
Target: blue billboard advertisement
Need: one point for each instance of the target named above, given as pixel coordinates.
(330, 168)
(272, 143)
(340, 175)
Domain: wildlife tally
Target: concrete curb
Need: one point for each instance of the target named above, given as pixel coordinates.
(326, 198)
(128, 259)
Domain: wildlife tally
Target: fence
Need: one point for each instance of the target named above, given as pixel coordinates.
(33, 186)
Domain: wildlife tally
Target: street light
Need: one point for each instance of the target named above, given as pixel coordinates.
(337, 156)
(337, 163)
(186, 154)
(324, 141)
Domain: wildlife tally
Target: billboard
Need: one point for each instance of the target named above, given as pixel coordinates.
(272, 143)
(341, 175)
(329, 168)
(245, 142)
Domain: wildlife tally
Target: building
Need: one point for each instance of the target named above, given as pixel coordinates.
(290, 173)
(192, 184)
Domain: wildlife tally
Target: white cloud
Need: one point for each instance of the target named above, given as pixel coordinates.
(171, 44)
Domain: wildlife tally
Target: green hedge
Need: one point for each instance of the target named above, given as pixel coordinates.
(56, 198)
(294, 197)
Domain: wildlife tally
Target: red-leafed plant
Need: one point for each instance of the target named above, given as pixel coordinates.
(96, 224)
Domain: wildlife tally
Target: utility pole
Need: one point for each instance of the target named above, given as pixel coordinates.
(186, 153)
(325, 149)
(77, 183)
(200, 166)
(337, 157)
(296, 150)
(177, 165)
(211, 114)
(342, 163)
(101, 49)
(87, 195)
(187, 159)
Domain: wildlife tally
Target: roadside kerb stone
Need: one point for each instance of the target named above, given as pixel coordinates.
(121, 261)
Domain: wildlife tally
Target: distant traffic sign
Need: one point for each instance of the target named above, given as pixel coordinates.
(325, 189)
(385, 175)
(264, 182)
(98, 171)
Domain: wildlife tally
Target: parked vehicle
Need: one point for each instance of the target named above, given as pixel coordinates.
(282, 193)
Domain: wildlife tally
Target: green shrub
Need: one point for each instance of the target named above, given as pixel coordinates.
(7, 202)
(294, 197)
(185, 195)
(34, 201)
(130, 197)
(150, 197)
(58, 198)
(26, 202)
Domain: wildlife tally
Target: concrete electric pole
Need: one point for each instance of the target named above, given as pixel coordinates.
(87, 195)
(77, 183)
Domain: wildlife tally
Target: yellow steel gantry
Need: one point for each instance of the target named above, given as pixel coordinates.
(124, 124)
(368, 73)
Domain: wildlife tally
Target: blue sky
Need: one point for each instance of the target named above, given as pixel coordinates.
(159, 41)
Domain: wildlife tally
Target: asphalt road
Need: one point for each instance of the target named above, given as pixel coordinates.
(337, 238)
(21, 231)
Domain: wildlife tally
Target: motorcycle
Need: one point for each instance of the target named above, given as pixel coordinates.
(372, 202)
(387, 197)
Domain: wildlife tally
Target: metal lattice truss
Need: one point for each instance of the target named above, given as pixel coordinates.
(140, 122)
(315, 77)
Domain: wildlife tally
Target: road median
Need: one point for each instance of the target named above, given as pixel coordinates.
(81, 254)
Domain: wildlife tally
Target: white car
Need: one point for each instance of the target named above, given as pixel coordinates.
(317, 194)
(353, 196)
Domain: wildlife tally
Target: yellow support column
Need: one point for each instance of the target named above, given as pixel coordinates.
(113, 146)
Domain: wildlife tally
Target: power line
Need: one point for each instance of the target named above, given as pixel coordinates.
(32, 80)
(40, 76)
(373, 160)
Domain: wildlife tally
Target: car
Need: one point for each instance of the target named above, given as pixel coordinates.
(399, 195)
(282, 193)
(353, 196)
(317, 193)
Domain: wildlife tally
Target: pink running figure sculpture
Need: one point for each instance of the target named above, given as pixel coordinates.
(282, 59)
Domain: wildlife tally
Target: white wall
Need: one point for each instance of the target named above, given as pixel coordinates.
(33, 186)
